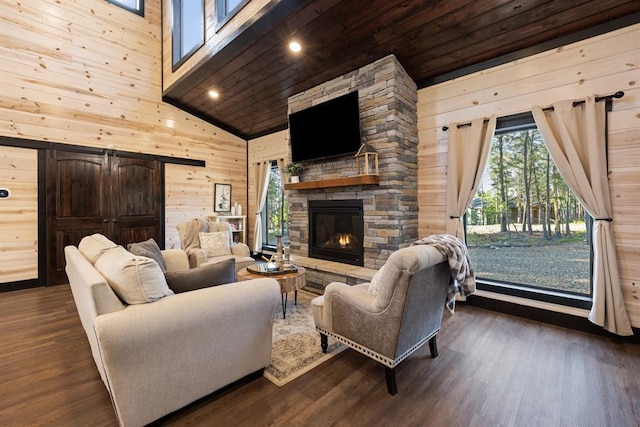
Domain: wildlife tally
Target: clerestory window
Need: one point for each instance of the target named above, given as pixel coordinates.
(526, 231)
(226, 9)
(135, 6)
(187, 32)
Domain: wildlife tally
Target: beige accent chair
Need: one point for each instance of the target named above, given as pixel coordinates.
(190, 242)
(390, 324)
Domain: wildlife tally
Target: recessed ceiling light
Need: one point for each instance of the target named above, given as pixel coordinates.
(214, 94)
(295, 47)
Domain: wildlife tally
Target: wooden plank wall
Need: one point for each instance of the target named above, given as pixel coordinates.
(270, 147)
(600, 65)
(89, 73)
(213, 39)
(19, 215)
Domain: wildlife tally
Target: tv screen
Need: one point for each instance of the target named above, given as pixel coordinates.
(326, 130)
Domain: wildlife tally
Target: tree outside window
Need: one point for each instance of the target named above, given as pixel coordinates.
(276, 212)
(524, 225)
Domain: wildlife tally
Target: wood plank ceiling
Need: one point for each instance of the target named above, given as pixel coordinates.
(433, 39)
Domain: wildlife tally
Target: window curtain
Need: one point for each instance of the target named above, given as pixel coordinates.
(575, 137)
(469, 147)
(262, 170)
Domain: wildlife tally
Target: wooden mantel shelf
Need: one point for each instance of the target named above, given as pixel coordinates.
(336, 182)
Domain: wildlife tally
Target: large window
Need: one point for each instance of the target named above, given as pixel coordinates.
(275, 216)
(135, 6)
(524, 227)
(188, 29)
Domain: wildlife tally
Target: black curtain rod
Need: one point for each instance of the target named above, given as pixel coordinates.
(616, 95)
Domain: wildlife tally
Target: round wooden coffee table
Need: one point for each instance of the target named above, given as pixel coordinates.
(289, 281)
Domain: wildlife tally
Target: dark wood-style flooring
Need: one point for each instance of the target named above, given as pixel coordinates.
(493, 370)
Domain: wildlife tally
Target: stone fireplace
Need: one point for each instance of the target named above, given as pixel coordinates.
(388, 122)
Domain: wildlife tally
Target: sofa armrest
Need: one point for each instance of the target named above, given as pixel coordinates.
(358, 295)
(240, 249)
(161, 356)
(176, 259)
(197, 256)
(353, 296)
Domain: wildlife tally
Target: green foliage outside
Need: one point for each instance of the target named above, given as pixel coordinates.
(277, 210)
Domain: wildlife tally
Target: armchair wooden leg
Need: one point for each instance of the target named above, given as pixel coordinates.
(390, 375)
(433, 346)
(324, 342)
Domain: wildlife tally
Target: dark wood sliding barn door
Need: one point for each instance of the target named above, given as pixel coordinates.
(87, 193)
(137, 199)
(77, 204)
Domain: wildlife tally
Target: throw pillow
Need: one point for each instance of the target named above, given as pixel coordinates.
(93, 246)
(208, 275)
(150, 249)
(135, 279)
(375, 282)
(215, 244)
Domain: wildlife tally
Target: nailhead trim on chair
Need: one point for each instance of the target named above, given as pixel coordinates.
(391, 363)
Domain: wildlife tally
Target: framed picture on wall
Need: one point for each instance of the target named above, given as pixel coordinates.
(222, 198)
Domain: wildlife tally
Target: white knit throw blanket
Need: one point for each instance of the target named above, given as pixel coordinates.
(463, 279)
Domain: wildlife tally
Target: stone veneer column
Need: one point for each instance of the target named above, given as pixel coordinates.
(388, 122)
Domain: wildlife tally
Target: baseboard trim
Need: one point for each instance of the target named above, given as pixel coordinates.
(546, 316)
(21, 284)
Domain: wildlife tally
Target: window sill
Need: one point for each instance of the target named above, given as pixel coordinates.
(543, 295)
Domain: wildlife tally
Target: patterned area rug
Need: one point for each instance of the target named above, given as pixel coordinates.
(296, 343)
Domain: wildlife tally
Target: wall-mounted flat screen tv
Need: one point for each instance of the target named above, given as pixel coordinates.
(326, 130)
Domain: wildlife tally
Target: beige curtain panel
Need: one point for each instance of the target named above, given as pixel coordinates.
(575, 137)
(469, 148)
(262, 183)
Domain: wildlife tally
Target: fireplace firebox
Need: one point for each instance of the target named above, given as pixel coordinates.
(336, 231)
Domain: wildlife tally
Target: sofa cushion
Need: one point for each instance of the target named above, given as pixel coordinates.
(150, 249)
(135, 279)
(93, 246)
(202, 277)
(215, 243)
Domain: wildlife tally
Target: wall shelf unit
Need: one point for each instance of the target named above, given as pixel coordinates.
(238, 225)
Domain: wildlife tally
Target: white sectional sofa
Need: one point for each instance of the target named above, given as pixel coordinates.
(156, 357)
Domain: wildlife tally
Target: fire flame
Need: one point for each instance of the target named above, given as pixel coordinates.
(344, 240)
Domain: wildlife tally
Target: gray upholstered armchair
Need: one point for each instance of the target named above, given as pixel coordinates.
(189, 233)
(393, 316)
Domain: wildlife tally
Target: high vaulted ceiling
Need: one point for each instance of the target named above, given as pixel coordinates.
(255, 72)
